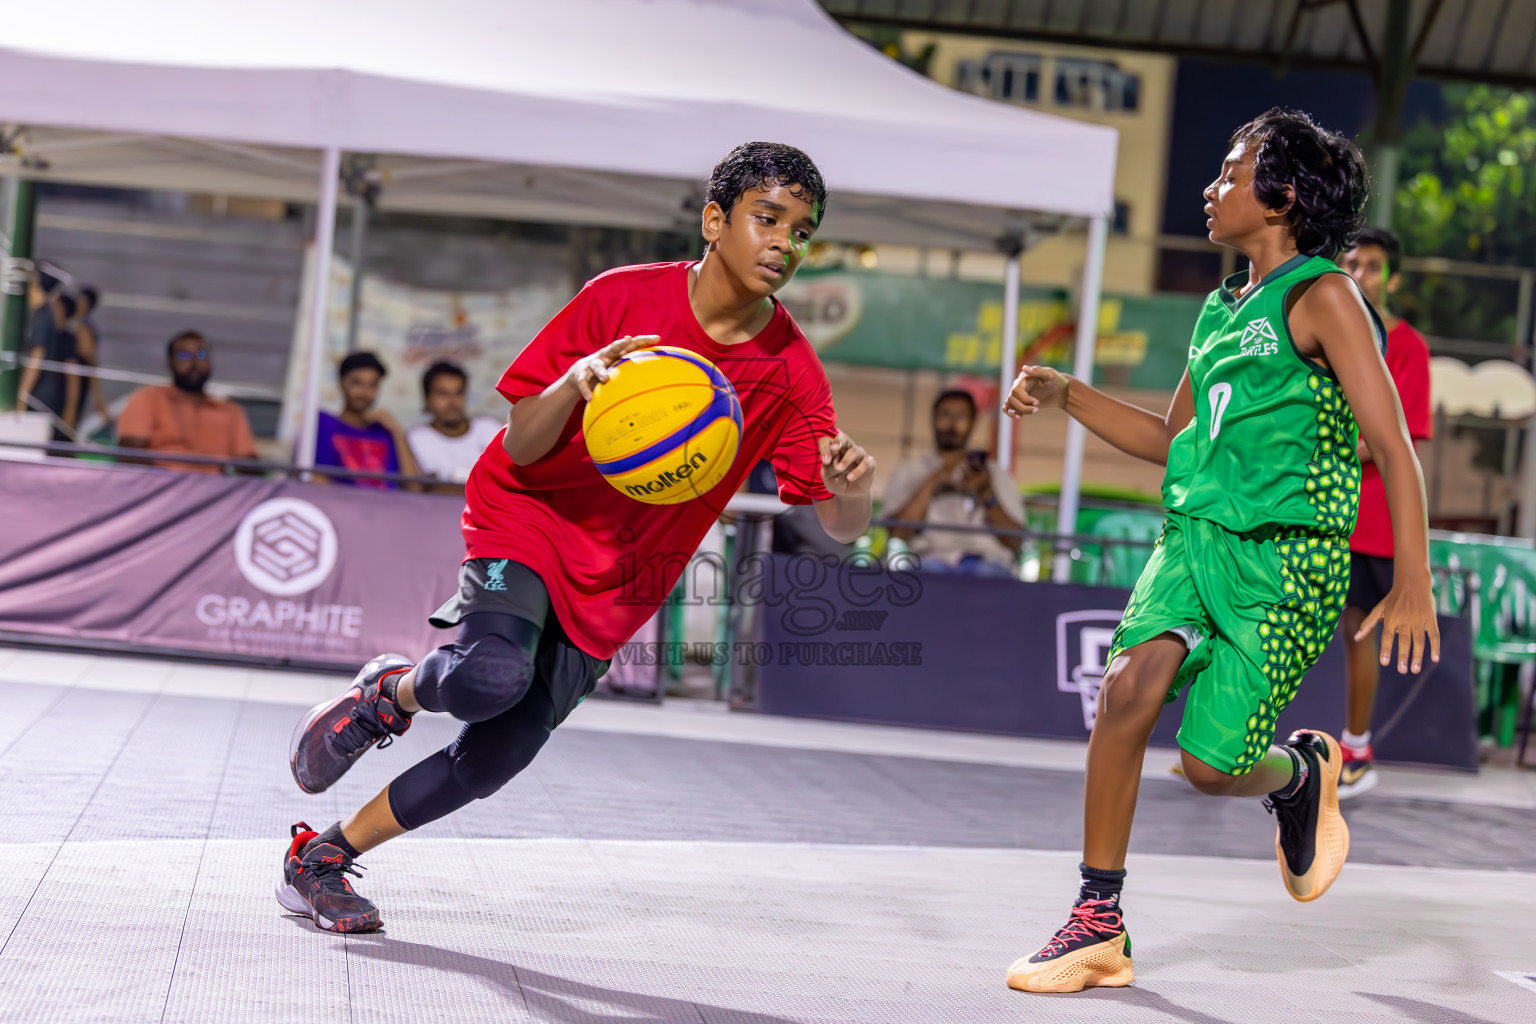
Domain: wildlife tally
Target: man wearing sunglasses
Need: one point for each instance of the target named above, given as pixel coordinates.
(180, 417)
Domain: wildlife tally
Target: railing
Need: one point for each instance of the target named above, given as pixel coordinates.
(253, 467)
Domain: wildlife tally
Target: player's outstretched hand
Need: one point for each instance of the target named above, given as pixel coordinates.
(1407, 614)
(845, 467)
(1036, 387)
(587, 373)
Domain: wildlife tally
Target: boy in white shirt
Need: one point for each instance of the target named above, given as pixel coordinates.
(448, 445)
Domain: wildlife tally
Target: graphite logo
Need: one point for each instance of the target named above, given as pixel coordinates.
(668, 479)
(285, 546)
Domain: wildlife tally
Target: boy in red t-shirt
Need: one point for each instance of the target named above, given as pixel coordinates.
(560, 568)
(1374, 263)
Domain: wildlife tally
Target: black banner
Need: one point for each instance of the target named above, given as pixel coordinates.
(1025, 659)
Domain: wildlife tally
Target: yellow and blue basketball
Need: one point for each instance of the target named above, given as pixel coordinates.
(664, 427)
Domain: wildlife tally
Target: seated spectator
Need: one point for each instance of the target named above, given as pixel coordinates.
(50, 338)
(181, 417)
(447, 446)
(955, 487)
(362, 437)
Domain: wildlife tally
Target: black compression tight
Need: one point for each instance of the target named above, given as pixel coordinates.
(491, 678)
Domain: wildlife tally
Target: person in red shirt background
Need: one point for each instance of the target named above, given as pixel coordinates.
(1374, 263)
(560, 568)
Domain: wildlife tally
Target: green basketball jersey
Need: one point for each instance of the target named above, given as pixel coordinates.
(1272, 441)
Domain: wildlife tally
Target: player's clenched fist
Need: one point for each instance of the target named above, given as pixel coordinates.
(846, 468)
(587, 373)
(1036, 387)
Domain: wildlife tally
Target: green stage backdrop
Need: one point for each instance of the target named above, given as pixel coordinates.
(924, 323)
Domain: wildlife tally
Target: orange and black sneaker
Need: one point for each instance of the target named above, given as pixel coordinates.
(1311, 840)
(1092, 950)
(335, 733)
(315, 884)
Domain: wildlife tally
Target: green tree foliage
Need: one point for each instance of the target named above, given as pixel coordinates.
(890, 42)
(1468, 192)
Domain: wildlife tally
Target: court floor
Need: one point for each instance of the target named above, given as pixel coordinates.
(683, 864)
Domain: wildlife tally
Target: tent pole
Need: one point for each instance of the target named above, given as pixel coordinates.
(21, 224)
(361, 208)
(1082, 369)
(319, 291)
(1008, 364)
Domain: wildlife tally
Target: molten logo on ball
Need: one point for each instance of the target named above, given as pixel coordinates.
(666, 481)
(285, 546)
(664, 427)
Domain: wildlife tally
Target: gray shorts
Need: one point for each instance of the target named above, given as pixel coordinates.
(511, 588)
(494, 585)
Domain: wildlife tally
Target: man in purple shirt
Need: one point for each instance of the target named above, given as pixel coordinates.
(363, 437)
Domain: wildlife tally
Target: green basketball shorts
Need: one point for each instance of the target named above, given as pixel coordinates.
(1256, 609)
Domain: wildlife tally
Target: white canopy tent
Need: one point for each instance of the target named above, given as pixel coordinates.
(583, 111)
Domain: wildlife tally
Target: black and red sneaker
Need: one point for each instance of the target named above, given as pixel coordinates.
(1091, 950)
(334, 734)
(315, 884)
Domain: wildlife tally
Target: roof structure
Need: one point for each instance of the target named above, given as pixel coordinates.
(1482, 40)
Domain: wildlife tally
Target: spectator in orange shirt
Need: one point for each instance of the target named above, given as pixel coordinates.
(181, 417)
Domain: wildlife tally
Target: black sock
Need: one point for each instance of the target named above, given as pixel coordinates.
(1099, 884)
(333, 836)
(389, 685)
(1298, 780)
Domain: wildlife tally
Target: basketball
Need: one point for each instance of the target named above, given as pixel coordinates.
(664, 427)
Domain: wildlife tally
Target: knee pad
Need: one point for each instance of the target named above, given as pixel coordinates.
(487, 677)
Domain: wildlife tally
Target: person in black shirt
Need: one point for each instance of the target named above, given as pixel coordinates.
(50, 338)
(88, 350)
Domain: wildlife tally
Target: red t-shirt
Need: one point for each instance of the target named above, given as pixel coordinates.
(1408, 360)
(608, 560)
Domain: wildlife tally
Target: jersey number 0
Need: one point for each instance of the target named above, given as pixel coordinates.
(1218, 397)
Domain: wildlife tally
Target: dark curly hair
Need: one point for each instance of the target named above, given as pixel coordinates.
(758, 164)
(1325, 170)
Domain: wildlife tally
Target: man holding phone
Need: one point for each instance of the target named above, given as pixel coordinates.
(954, 487)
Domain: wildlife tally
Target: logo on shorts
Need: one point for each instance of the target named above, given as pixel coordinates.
(1082, 645)
(285, 546)
(493, 573)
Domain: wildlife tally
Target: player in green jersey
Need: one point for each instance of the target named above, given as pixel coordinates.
(1244, 588)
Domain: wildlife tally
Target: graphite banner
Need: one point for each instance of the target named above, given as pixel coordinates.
(277, 572)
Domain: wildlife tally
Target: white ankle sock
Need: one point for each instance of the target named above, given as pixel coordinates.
(1349, 739)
